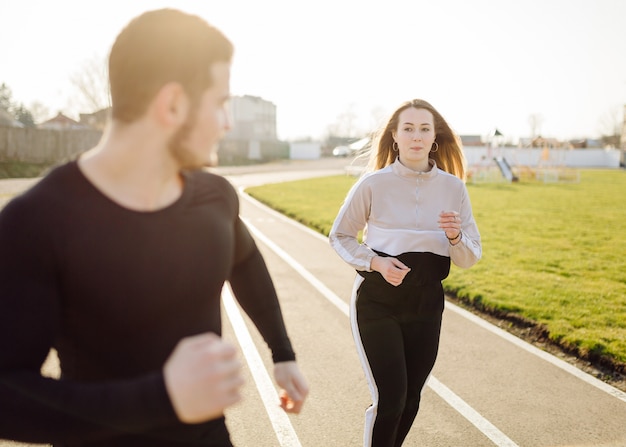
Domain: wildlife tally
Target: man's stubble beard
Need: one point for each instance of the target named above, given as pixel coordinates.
(181, 153)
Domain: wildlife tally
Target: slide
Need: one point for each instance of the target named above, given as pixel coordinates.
(505, 168)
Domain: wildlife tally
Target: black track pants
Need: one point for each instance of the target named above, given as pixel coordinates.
(398, 348)
(396, 330)
(401, 355)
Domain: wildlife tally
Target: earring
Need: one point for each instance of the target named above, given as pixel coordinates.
(394, 146)
(431, 149)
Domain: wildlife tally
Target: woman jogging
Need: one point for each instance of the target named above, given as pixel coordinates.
(416, 216)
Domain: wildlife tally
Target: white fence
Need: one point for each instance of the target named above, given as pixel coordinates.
(537, 157)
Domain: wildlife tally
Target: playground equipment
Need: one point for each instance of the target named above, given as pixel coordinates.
(505, 168)
(551, 166)
(543, 160)
(492, 170)
(493, 166)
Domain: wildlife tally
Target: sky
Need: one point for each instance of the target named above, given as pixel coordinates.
(483, 64)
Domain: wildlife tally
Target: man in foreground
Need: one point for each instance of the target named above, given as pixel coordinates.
(117, 260)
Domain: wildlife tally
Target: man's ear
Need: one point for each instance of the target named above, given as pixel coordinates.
(171, 105)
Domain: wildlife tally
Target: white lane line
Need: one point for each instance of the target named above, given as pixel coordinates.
(285, 432)
(585, 377)
(486, 427)
(328, 294)
(482, 424)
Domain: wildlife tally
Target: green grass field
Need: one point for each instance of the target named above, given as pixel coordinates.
(18, 169)
(553, 253)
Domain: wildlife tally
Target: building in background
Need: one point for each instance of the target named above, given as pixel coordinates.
(471, 140)
(61, 122)
(253, 137)
(96, 120)
(254, 118)
(305, 150)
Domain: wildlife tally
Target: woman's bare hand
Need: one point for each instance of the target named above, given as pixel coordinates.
(392, 270)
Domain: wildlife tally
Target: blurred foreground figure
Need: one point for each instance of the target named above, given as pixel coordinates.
(117, 259)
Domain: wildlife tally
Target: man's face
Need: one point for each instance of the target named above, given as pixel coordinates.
(195, 144)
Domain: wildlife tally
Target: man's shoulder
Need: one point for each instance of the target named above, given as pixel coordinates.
(210, 180)
(55, 183)
(208, 187)
(38, 204)
(58, 176)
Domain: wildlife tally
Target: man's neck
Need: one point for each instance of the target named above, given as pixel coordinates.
(134, 169)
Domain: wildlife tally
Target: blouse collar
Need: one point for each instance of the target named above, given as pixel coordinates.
(402, 171)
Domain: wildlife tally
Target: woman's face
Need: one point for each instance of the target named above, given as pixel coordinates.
(415, 136)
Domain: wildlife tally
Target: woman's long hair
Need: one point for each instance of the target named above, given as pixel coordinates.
(449, 157)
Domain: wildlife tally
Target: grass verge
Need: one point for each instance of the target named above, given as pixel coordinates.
(19, 169)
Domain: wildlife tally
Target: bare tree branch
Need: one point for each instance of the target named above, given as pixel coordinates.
(92, 85)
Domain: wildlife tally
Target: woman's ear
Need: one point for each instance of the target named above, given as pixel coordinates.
(171, 105)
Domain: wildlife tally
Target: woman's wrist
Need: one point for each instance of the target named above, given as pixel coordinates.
(455, 240)
(372, 267)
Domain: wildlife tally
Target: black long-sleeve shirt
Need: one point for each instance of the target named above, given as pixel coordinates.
(114, 290)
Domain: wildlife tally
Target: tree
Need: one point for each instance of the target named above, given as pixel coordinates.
(23, 115)
(344, 126)
(92, 84)
(6, 97)
(39, 112)
(535, 121)
(611, 127)
(16, 110)
(377, 117)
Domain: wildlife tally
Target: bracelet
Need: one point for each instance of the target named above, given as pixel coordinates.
(454, 238)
